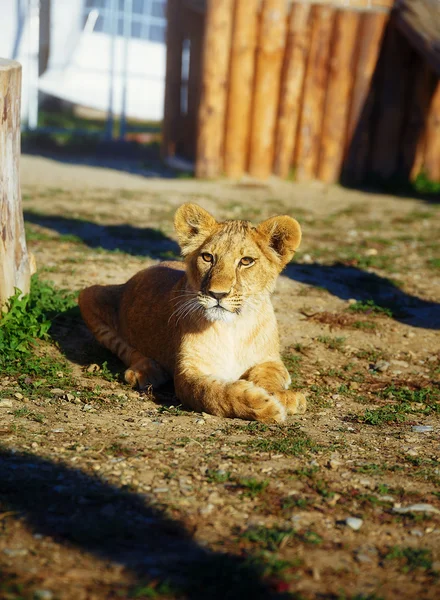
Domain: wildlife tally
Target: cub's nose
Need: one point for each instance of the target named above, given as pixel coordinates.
(217, 295)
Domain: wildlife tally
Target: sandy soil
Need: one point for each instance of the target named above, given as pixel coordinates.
(112, 494)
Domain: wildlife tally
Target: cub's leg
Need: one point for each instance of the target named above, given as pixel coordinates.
(274, 377)
(241, 399)
(99, 307)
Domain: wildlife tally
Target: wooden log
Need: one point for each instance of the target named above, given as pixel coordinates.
(271, 43)
(241, 77)
(212, 110)
(292, 81)
(432, 148)
(173, 78)
(339, 89)
(309, 134)
(393, 95)
(371, 32)
(359, 133)
(14, 259)
(413, 141)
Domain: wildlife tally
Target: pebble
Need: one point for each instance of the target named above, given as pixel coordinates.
(366, 554)
(427, 508)
(400, 363)
(70, 397)
(93, 368)
(416, 532)
(206, 510)
(381, 366)
(200, 421)
(354, 523)
(15, 552)
(57, 392)
(422, 428)
(160, 490)
(43, 595)
(19, 396)
(5, 403)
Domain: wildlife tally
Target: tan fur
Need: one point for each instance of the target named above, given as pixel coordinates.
(207, 323)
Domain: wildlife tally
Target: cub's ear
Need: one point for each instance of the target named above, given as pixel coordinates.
(283, 234)
(193, 224)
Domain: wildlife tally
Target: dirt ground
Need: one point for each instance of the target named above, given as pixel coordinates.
(106, 493)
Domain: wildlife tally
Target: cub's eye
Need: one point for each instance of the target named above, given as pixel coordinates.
(247, 261)
(207, 257)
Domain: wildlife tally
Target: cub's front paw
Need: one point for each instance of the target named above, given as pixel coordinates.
(295, 402)
(256, 404)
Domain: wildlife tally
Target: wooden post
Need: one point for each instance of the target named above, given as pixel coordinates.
(358, 141)
(271, 42)
(212, 111)
(241, 77)
(14, 259)
(370, 40)
(291, 87)
(339, 89)
(432, 148)
(309, 134)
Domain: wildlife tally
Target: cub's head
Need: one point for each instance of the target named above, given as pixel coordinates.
(231, 264)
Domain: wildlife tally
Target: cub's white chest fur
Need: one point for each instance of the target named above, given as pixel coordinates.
(227, 349)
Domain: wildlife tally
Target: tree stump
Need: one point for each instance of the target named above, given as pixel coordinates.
(14, 258)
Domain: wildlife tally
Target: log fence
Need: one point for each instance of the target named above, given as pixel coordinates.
(299, 88)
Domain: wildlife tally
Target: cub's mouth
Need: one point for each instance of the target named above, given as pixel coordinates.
(219, 313)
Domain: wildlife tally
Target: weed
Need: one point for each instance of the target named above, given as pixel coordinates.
(410, 559)
(333, 343)
(29, 318)
(434, 263)
(252, 486)
(369, 307)
(372, 469)
(294, 502)
(217, 476)
(289, 440)
(405, 401)
(424, 185)
(268, 538)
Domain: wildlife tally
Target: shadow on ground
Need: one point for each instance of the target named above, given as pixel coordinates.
(82, 511)
(347, 282)
(138, 241)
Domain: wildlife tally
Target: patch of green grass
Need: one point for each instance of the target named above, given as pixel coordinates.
(371, 469)
(294, 502)
(268, 538)
(434, 263)
(333, 343)
(372, 355)
(288, 440)
(369, 307)
(32, 416)
(410, 559)
(28, 319)
(423, 185)
(252, 487)
(365, 325)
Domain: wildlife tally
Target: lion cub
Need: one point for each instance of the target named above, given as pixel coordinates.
(208, 322)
